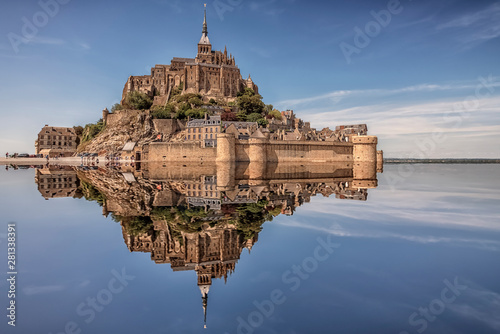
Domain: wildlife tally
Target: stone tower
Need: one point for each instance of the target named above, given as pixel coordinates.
(204, 47)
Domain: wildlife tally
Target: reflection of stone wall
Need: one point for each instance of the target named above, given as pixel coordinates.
(188, 152)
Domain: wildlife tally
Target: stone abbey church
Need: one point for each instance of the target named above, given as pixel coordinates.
(213, 74)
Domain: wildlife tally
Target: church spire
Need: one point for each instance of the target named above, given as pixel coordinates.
(204, 34)
(205, 29)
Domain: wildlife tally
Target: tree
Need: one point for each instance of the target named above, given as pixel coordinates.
(138, 101)
(196, 113)
(163, 112)
(116, 107)
(249, 102)
(92, 130)
(275, 114)
(262, 122)
(254, 117)
(78, 130)
(212, 101)
(195, 102)
(228, 116)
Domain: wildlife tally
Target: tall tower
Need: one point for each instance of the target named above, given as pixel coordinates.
(204, 46)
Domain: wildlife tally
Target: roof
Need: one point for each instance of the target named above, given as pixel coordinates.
(185, 60)
(129, 146)
(212, 120)
(204, 39)
(58, 130)
(240, 124)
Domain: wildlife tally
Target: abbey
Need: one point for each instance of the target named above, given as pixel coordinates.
(213, 74)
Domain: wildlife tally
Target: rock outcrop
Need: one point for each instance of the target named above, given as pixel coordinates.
(127, 126)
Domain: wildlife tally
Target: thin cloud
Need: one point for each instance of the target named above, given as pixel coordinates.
(426, 87)
(37, 290)
(47, 40)
(475, 28)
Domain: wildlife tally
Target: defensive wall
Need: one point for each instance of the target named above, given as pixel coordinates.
(262, 150)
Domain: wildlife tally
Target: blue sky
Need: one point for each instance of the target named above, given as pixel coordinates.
(426, 80)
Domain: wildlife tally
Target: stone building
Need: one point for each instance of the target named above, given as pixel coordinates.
(204, 130)
(213, 74)
(56, 141)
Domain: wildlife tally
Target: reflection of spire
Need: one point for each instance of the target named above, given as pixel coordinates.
(204, 297)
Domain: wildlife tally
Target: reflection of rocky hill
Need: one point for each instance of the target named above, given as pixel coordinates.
(201, 217)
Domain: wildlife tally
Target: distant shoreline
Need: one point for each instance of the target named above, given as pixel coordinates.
(441, 161)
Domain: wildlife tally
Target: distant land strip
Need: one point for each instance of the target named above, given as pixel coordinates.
(440, 161)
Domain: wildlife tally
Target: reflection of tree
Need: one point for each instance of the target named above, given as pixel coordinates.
(138, 225)
(181, 218)
(91, 193)
(250, 217)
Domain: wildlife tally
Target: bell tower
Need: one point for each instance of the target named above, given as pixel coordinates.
(204, 46)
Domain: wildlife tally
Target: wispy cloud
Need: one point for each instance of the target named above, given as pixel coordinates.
(483, 306)
(36, 290)
(338, 95)
(466, 112)
(47, 40)
(475, 28)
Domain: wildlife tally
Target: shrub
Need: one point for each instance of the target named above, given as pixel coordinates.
(163, 112)
(92, 130)
(138, 101)
(116, 107)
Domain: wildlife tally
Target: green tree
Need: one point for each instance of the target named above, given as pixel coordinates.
(78, 130)
(92, 130)
(195, 102)
(138, 101)
(254, 117)
(275, 114)
(198, 113)
(249, 102)
(116, 107)
(163, 112)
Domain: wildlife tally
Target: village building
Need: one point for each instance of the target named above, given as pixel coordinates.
(56, 141)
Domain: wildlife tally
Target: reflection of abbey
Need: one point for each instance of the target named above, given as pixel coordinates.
(213, 74)
(201, 217)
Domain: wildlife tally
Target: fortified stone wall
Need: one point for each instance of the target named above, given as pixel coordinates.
(168, 126)
(181, 152)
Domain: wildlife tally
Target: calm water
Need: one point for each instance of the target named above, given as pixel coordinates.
(421, 254)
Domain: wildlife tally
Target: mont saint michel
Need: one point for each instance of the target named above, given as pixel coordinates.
(201, 110)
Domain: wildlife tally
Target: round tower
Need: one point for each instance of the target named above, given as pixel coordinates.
(225, 147)
(365, 161)
(105, 114)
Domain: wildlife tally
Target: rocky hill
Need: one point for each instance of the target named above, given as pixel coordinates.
(128, 125)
